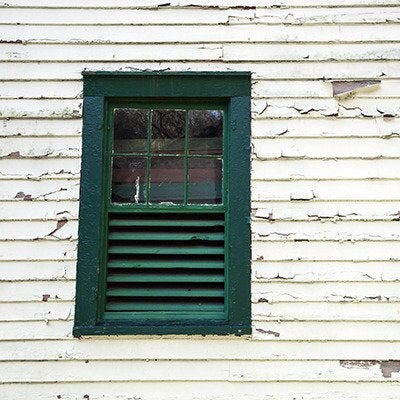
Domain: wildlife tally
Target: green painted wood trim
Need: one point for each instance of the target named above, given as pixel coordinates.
(206, 84)
(90, 212)
(169, 73)
(238, 215)
(101, 87)
(176, 328)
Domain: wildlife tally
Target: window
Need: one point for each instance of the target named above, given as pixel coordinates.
(164, 237)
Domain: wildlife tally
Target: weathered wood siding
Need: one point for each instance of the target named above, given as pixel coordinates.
(325, 191)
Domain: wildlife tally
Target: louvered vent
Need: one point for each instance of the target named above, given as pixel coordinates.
(165, 263)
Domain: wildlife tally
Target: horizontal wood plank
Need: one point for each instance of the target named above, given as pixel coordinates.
(219, 390)
(250, 33)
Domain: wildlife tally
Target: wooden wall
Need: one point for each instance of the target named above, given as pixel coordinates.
(325, 191)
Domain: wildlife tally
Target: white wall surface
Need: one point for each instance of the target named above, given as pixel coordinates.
(325, 198)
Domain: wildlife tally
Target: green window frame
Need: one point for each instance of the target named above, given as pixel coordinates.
(103, 92)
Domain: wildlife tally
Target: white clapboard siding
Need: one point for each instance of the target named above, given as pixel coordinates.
(285, 108)
(40, 147)
(326, 230)
(205, 390)
(32, 330)
(292, 169)
(282, 52)
(37, 270)
(216, 34)
(107, 52)
(301, 69)
(47, 210)
(192, 52)
(38, 250)
(40, 127)
(327, 127)
(324, 291)
(27, 190)
(261, 88)
(34, 291)
(322, 311)
(33, 230)
(215, 15)
(326, 251)
(41, 89)
(325, 198)
(193, 348)
(320, 89)
(155, 4)
(323, 210)
(118, 16)
(209, 370)
(325, 15)
(326, 271)
(325, 190)
(326, 330)
(60, 108)
(326, 148)
(49, 167)
(37, 311)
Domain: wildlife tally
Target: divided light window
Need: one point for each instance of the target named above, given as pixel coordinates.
(164, 212)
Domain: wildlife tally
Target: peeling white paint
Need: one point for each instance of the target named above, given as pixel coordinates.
(325, 198)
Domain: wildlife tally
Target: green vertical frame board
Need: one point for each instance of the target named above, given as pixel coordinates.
(102, 90)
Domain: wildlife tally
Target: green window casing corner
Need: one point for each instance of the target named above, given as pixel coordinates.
(103, 92)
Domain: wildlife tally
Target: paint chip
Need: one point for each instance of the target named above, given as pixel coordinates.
(389, 367)
(275, 334)
(45, 297)
(341, 88)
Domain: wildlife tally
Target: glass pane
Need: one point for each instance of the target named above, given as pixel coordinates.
(205, 131)
(130, 130)
(167, 180)
(128, 180)
(205, 181)
(168, 132)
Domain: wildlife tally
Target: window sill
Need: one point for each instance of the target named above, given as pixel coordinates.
(129, 329)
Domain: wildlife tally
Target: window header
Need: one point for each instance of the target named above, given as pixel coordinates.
(166, 84)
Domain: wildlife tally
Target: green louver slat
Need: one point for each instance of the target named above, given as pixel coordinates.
(164, 278)
(163, 292)
(178, 223)
(166, 264)
(165, 250)
(166, 236)
(164, 306)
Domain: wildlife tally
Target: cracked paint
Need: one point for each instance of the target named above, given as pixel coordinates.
(387, 367)
(23, 196)
(60, 224)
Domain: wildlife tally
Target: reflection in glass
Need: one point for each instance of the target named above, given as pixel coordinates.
(130, 130)
(168, 131)
(167, 180)
(128, 179)
(205, 131)
(205, 181)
